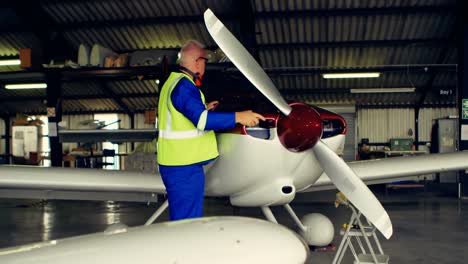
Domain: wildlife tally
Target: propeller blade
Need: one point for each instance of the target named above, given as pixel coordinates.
(244, 61)
(353, 188)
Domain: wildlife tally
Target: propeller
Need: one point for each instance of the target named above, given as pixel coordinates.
(301, 128)
(244, 61)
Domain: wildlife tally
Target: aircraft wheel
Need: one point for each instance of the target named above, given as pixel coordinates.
(319, 231)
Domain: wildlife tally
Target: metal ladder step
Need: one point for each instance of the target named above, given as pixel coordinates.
(367, 259)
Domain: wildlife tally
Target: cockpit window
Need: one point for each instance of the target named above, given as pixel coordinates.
(262, 131)
(332, 127)
(258, 132)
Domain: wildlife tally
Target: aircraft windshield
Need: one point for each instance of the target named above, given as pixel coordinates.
(333, 124)
(332, 127)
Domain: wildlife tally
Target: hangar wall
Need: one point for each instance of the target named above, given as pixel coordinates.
(426, 117)
(125, 123)
(73, 122)
(139, 121)
(380, 125)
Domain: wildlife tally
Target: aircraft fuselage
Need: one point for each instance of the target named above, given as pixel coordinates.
(270, 173)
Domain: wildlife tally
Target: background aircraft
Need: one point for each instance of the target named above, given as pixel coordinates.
(264, 166)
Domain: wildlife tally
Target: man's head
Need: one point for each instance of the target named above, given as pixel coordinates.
(193, 57)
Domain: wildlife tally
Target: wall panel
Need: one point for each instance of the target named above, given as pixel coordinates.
(73, 122)
(427, 117)
(380, 125)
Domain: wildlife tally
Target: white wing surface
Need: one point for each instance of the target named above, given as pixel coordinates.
(396, 168)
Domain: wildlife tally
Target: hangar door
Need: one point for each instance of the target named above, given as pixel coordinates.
(349, 152)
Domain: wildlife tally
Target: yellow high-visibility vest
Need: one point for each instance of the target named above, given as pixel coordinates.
(180, 142)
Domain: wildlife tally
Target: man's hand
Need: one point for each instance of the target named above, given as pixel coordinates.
(212, 105)
(248, 118)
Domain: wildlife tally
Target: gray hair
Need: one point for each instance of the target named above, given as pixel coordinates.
(186, 48)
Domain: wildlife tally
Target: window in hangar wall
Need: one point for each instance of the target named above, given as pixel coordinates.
(109, 119)
(111, 122)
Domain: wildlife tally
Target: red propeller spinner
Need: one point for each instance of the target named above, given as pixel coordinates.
(301, 129)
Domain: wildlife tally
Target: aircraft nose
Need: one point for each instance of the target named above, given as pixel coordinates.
(301, 129)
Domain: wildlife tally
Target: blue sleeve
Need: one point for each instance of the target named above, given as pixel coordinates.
(220, 120)
(187, 100)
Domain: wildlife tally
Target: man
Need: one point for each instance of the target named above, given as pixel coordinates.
(186, 137)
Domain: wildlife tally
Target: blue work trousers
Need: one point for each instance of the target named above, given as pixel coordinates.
(185, 186)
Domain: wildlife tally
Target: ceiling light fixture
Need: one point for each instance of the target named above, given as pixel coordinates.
(384, 90)
(10, 62)
(351, 75)
(26, 86)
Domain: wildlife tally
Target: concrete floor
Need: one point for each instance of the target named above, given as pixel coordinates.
(428, 228)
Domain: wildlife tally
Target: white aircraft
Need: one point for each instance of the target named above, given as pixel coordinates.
(263, 166)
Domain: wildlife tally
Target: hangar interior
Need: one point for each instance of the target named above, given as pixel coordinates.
(104, 62)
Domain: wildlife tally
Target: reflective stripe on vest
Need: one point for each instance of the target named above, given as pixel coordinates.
(180, 134)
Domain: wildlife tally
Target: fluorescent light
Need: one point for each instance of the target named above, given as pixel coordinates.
(351, 75)
(10, 62)
(157, 81)
(384, 90)
(26, 86)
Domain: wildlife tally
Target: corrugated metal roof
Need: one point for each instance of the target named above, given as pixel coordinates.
(134, 35)
(278, 5)
(446, 79)
(90, 105)
(9, 68)
(347, 57)
(21, 93)
(26, 106)
(107, 10)
(141, 37)
(81, 88)
(142, 87)
(352, 28)
(373, 99)
(291, 38)
(387, 80)
(141, 103)
(10, 43)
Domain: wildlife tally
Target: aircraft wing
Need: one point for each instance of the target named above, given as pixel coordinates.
(398, 168)
(18, 180)
(102, 135)
(208, 240)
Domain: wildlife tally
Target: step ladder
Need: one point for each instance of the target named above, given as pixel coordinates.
(355, 230)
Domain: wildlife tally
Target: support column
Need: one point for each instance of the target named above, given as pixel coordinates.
(416, 127)
(54, 115)
(462, 24)
(6, 119)
(132, 126)
(8, 137)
